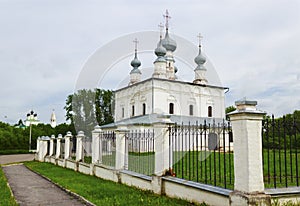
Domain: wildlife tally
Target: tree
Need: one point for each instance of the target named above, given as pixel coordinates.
(87, 108)
(228, 110)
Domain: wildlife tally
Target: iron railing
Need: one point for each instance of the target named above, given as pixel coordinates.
(202, 153)
(139, 151)
(107, 148)
(281, 150)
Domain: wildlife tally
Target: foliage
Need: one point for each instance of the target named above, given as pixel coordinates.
(87, 108)
(228, 110)
(16, 140)
(5, 195)
(91, 188)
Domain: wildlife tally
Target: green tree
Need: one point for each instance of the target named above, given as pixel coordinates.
(87, 108)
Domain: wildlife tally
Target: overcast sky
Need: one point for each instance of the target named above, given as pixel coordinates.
(253, 45)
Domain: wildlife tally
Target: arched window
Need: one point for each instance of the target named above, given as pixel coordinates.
(132, 110)
(210, 111)
(144, 108)
(171, 108)
(191, 109)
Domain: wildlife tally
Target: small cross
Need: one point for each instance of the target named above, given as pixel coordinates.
(135, 41)
(161, 27)
(200, 38)
(167, 18)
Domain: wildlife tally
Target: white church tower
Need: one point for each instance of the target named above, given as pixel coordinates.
(135, 74)
(53, 120)
(200, 71)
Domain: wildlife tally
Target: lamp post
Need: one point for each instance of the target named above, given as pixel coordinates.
(31, 117)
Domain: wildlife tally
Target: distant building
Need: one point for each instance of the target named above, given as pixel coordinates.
(31, 119)
(53, 120)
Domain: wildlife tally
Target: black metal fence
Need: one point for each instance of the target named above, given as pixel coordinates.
(139, 151)
(281, 150)
(107, 148)
(202, 153)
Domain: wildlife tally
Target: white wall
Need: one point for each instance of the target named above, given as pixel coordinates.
(165, 92)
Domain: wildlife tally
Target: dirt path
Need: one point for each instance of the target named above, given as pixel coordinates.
(32, 189)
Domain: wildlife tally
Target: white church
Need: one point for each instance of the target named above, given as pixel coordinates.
(143, 101)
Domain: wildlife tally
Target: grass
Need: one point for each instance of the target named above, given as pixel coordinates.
(214, 168)
(5, 195)
(99, 191)
(282, 168)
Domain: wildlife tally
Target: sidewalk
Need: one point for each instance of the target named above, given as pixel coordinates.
(32, 189)
(5, 159)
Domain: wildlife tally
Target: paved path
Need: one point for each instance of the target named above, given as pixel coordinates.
(6, 159)
(31, 189)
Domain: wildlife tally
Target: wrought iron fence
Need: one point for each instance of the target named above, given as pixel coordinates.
(87, 149)
(139, 151)
(281, 150)
(107, 148)
(202, 153)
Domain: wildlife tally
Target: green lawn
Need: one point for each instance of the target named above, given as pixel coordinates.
(99, 191)
(5, 195)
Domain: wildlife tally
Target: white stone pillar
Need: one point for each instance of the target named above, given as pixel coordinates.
(95, 144)
(51, 145)
(58, 145)
(120, 147)
(161, 146)
(43, 148)
(79, 146)
(67, 145)
(38, 144)
(246, 124)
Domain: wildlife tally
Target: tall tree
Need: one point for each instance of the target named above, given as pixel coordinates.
(87, 108)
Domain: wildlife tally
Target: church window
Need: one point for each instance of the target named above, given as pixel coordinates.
(210, 111)
(144, 108)
(123, 112)
(171, 108)
(132, 110)
(191, 110)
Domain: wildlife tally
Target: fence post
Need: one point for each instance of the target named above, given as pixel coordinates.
(248, 169)
(95, 144)
(59, 137)
(79, 150)
(43, 148)
(67, 145)
(120, 147)
(161, 145)
(51, 145)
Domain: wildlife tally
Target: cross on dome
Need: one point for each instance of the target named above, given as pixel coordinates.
(200, 37)
(167, 17)
(161, 28)
(135, 41)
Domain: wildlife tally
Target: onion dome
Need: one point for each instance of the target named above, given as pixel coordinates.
(169, 43)
(200, 60)
(135, 63)
(160, 51)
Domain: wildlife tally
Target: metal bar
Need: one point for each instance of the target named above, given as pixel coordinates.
(197, 151)
(189, 145)
(205, 146)
(285, 155)
(296, 147)
(224, 158)
(274, 152)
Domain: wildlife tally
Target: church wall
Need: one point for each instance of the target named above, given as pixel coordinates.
(158, 94)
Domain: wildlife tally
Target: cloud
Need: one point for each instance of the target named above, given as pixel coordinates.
(252, 44)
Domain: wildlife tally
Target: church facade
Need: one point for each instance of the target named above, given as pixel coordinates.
(142, 101)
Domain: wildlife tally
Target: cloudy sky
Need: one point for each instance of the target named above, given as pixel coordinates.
(253, 45)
